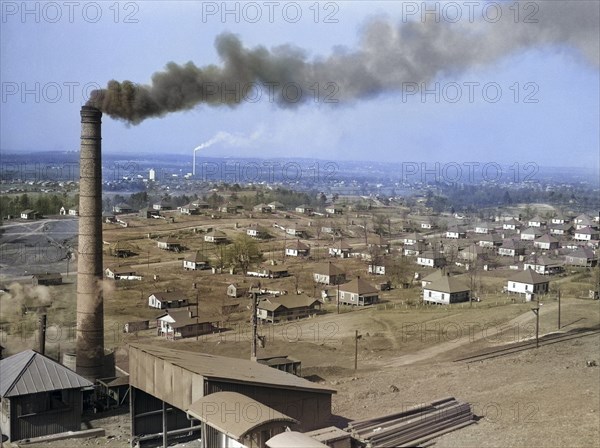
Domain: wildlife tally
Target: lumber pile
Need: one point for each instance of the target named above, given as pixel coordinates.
(413, 426)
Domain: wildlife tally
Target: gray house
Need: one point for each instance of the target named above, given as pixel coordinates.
(38, 396)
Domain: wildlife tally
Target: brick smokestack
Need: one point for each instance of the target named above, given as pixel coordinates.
(90, 306)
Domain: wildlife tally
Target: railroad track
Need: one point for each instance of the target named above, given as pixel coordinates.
(522, 346)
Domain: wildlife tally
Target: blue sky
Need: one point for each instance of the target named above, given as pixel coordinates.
(554, 120)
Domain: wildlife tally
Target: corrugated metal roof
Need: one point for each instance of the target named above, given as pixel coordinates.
(29, 372)
(235, 414)
(231, 369)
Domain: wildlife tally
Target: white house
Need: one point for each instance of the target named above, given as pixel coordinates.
(358, 292)
(297, 249)
(546, 242)
(490, 240)
(431, 259)
(169, 244)
(216, 237)
(561, 229)
(304, 209)
(528, 282)
(74, 211)
(340, 249)
(122, 273)
(511, 224)
(446, 290)
(511, 248)
(531, 233)
(165, 300)
(582, 221)
(484, 227)
(296, 231)
(29, 214)
(536, 221)
(333, 210)
(262, 208)
(256, 231)
(455, 233)
(543, 265)
(586, 234)
(196, 262)
(189, 209)
(275, 205)
(329, 274)
(412, 238)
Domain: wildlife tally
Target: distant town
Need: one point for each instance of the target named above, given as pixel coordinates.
(349, 270)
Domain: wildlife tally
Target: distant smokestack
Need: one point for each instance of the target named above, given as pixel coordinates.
(42, 334)
(90, 307)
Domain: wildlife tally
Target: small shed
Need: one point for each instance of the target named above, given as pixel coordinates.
(47, 279)
(39, 396)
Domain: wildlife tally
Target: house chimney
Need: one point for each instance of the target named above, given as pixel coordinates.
(90, 307)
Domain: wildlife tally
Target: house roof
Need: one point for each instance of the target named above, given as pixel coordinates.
(231, 369)
(47, 276)
(448, 285)
(328, 269)
(290, 302)
(587, 231)
(436, 275)
(217, 234)
(532, 231)
(583, 252)
(169, 240)
(431, 255)
(546, 239)
(121, 270)
(543, 261)
(29, 372)
(298, 245)
(215, 410)
(197, 257)
(528, 276)
(168, 295)
(341, 245)
(512, 244)
(359, 286)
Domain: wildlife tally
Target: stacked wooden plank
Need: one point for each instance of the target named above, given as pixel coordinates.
(413, 426)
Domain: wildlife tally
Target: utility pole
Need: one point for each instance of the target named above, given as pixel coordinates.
(356, 338)
(559, 309)
(254, 329)
(536, 311)
(338, 298)
(197, 312)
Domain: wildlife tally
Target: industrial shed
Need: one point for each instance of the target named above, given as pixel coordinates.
(39, 396)
(165, 383)
(230, 418)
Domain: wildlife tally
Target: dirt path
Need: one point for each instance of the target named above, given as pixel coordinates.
(472, 336)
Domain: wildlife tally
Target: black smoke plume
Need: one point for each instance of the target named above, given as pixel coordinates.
(388, 57)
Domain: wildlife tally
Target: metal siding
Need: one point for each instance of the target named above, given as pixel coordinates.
(312, 410)
(44, 423)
